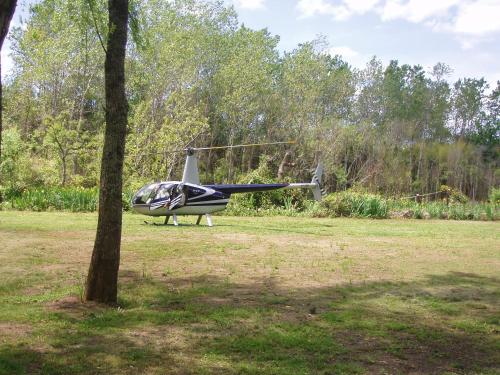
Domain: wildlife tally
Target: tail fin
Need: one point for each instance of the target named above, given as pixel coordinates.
(314, 185)
(317, 178)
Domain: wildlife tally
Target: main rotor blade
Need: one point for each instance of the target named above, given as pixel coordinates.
(245, 145)
(225, 147)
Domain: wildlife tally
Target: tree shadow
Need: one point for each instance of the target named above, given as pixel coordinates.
(182, 325)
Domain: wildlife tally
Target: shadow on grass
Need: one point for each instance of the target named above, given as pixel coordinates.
(440, 324)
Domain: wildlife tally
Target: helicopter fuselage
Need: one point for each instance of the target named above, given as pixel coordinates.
(182, 198)
(189, 197)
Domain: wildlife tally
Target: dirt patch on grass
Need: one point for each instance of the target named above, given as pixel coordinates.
(174, 338)
(14, 330)
(74, 307)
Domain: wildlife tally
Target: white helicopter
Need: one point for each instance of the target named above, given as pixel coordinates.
(189, 197)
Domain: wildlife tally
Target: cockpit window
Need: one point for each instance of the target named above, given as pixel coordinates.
(164, 192)
(145, 194)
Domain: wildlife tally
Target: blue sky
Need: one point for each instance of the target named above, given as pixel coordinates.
(465, 34)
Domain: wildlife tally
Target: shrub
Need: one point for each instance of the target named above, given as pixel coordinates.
(455, 195)
(494, 196)
(351, 203)
(269, 200)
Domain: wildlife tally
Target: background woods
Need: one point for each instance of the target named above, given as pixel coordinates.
(195, 75)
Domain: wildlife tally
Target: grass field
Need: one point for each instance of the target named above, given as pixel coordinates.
(268, 295)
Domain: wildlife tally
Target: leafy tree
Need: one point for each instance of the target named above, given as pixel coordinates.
(7, 8)
(468, 101)
(62, 136)
(196, 76)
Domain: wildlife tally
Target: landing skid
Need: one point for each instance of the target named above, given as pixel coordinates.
(176, 223)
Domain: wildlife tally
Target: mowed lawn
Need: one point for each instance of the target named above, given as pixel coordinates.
(266, 295)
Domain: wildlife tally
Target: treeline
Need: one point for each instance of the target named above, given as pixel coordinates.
(197, 77)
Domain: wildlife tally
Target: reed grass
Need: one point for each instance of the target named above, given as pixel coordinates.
(73, 199)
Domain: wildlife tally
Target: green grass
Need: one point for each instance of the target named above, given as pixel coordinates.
(270, 295)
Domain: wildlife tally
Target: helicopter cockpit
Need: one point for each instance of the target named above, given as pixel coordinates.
(169, 195)
(154, 192)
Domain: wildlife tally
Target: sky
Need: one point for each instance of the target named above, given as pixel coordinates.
(465, 34)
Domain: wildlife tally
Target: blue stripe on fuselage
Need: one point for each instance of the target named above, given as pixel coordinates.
(234, 188)
(209, 197)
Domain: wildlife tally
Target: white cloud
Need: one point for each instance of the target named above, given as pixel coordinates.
(250, 4)
(343, 51)
(340, 12)
(349, 55)
(309, 8)
(466, 43)
(416, 10)
(361, 6)
(462, 17)
(478, 18)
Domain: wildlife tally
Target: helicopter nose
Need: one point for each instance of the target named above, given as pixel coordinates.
(140, 208)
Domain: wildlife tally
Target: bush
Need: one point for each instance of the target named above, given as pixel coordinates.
(494, 196)
(290, 200)
(455, 195)
(356, 204)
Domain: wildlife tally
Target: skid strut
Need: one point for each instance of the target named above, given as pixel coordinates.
(198, 221)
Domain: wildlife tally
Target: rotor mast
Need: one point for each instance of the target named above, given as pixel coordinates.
(191, 174)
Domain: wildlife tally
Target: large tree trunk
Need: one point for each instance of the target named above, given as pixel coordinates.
(102, 280)
(7, 8)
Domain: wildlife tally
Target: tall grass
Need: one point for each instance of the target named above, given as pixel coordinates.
(367, 205)
(440, 210)
(340, 204)
(354, 204)
(56, 199)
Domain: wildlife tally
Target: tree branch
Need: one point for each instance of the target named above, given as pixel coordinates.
(96, 26)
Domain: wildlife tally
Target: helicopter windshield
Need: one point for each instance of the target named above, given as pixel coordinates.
(164, 192)
(144, 195)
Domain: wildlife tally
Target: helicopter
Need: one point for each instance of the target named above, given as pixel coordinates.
(190, 197)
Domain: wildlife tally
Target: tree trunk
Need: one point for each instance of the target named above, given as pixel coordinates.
(7, 8)
(285, 162)
(102, 280)
(64, 172)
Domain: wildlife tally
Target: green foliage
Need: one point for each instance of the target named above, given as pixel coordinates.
(74, 199)
(355, 204)
(15, 167)
(287, 200)
(454, 195)
(494, 196)
(352, 203)
(65, 199)
(197, 77)
(439, 209)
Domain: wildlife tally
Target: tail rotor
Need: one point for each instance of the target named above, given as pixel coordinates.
(317, 178)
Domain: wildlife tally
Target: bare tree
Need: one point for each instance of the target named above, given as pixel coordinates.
(102, 279)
